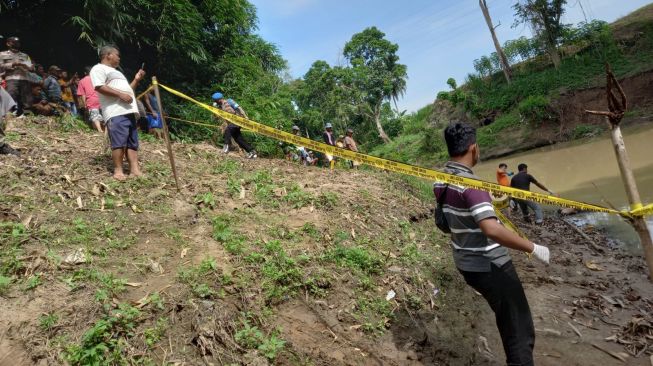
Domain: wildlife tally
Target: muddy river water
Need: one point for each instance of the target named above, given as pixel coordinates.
(589, 172)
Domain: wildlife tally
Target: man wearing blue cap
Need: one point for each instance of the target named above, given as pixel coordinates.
(233, 130)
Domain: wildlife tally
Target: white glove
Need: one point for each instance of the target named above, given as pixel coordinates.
(541, 253)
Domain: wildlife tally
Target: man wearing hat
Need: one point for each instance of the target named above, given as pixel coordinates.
(51, 85)
(233, 130)
(15, 66)
(329, 139)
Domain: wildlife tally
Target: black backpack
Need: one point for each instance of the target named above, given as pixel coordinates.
(440, 218)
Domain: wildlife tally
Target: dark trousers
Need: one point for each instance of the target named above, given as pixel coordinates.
(502, 289)
(21, 93)
(233, 131)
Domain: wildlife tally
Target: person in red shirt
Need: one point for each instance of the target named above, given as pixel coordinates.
(89, 100)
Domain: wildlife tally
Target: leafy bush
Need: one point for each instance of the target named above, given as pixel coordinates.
(536, 109)
(584, 131)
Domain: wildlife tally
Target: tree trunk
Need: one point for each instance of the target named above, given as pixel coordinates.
(377, 121)
(555, 55)
(507, 72)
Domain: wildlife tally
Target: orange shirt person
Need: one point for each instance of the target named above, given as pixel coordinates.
(503, 175)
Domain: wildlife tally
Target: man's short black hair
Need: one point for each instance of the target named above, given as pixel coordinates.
(503, 165)
(459, 137)
(521, 167)
(87, 70)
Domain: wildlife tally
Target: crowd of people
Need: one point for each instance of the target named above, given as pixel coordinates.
(27, 88)
(310, 158)
(104, 97)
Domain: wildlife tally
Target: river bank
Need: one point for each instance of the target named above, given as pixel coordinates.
(593, 305)
(589, 172)
(574, 124)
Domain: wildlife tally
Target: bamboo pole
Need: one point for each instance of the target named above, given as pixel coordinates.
(617, 106)
(628, 178)
(165, 131)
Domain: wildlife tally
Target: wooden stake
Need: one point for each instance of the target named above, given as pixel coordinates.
(617, 108)
(628, 178)
(165, 132)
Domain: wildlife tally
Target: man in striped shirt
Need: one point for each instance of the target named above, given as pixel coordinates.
(480, 245)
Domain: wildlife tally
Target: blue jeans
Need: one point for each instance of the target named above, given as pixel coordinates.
(72, 107)
(525, 205)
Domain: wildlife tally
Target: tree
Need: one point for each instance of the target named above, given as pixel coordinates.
(376, 72)
(544, 16)
(505, 66)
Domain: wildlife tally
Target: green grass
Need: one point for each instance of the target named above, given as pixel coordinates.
(202, 278)
(282, 274)
(358, 258)
(373, 314)
(105, 342)
(251, 337)
(494, 134)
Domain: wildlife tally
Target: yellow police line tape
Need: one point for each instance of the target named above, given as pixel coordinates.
(145, 92)
(493, 188)
(194, 122)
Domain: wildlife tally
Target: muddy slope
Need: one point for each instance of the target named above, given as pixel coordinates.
(267, 262)
(570, 108)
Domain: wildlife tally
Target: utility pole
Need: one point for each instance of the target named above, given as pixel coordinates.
(617, 107)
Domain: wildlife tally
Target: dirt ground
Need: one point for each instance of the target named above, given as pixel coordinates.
(267, 262)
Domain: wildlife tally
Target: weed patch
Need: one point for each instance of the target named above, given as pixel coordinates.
(282, 275)
(104, 343)
(201, 278)
(373, 314)
(232, 241)
(357, 258)
(250, 337)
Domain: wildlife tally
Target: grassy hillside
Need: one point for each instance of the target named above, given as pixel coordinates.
(259, 262)
(536, 108)
(233, 269)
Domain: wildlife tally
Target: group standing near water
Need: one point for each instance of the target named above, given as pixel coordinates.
(522, 180)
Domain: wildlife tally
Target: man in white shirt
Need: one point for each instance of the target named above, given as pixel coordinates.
(119, 109)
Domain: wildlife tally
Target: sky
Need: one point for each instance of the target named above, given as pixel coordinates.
(437, 39)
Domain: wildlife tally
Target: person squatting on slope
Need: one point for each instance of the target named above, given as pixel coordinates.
(295, 152)
(119, 109)
(233, 130)
(523, 180)
(479, 243)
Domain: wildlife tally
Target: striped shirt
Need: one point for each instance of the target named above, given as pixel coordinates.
(464, 208)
